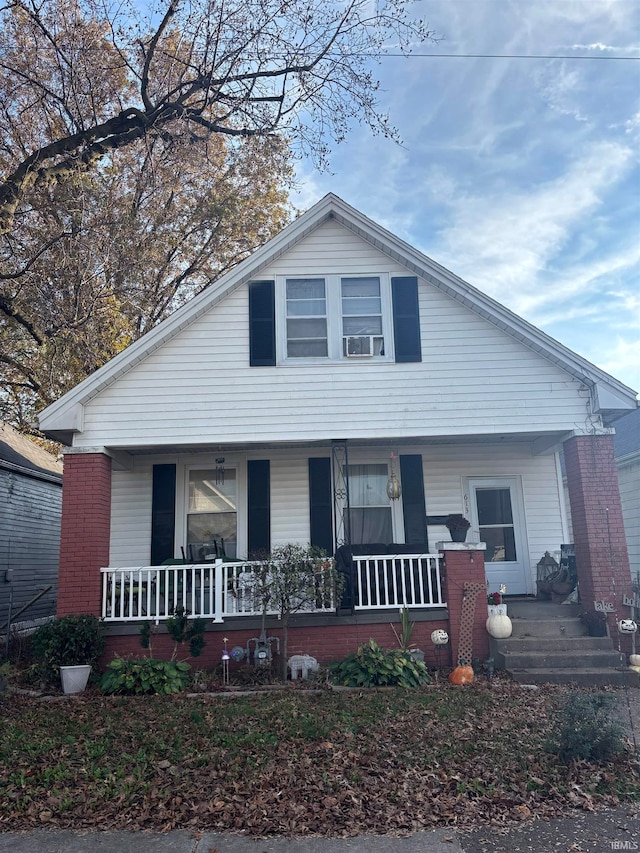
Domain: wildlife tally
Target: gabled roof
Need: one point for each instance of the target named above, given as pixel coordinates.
(610, 396)
(18, 453)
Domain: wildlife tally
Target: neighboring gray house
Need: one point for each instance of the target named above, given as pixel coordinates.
(30, 511)
(627, 453)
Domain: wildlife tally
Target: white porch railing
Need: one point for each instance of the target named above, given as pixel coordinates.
(214, 591)
(220, 590)
(385, 581)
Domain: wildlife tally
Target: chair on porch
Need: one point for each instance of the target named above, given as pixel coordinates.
(130, 591)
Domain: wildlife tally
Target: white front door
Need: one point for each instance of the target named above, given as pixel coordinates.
(497, 518)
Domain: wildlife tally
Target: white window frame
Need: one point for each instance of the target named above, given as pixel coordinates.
(333, 288)
(397, 511)
(207, 462)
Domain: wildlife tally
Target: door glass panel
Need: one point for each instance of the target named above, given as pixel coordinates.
(370, 511)
(212, 515)
(495, 520)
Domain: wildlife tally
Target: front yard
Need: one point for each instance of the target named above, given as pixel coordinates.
(296, 762)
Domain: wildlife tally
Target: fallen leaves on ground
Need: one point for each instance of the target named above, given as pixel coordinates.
(295, 763)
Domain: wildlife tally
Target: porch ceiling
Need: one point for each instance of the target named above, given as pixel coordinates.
(542, 441)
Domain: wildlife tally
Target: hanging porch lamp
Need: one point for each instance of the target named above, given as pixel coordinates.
(393, 484)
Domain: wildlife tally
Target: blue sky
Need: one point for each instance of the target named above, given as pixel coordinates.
(520, 175)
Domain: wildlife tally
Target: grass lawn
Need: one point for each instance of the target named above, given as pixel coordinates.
(295, 762)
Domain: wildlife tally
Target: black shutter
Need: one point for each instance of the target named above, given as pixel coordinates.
(321, 527)
(262, 324)
(406, 318)
(258, 508)
(413, 505)
(163, 513)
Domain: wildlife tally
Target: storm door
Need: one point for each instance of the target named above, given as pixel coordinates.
(497, 519)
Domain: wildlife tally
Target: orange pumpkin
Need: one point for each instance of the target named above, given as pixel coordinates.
(462, 674)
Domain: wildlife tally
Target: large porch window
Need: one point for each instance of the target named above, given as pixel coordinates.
(369, 509)
(212, 513)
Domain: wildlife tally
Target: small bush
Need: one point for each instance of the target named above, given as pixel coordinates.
(69, 641)
(145, 675)
(372, 666)
(586, 730)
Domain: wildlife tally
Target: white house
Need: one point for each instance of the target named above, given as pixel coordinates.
(275, 406)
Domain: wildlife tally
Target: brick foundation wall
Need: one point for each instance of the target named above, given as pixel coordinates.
(84, 539)
(325, 643)
(602, 558)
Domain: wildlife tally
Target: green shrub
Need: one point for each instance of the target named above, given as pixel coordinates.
(372, 666)
(68, 641)
(145, 675)
(586, 730)
(182, 629)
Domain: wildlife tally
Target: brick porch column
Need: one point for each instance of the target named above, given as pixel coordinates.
(86, 525)
(464, 572)
(602, 559)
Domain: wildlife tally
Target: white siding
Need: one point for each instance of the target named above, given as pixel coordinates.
(130, 542)
(446, 468)
(290, 498)
(474, 379)
(445, 471)
(629, 478)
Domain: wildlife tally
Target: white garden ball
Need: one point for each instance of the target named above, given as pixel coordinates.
(439, 637)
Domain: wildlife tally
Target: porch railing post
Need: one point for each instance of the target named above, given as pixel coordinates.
(219, 591)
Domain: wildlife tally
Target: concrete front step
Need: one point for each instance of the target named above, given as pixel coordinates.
(571, 627)
(531, 608)
(549, 644)
(560, 660)
(561, 643)
(591, 677)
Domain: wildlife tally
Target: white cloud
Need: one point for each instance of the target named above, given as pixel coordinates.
(562, 88)
(504, 241)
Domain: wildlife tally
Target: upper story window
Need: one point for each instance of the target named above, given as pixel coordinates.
(316, 318)
(335, 317)
(306, 318)
(362, 332)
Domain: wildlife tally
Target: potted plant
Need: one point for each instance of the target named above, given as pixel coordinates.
(498, 624)
(457, 526)
(595, 622)
(69, 646)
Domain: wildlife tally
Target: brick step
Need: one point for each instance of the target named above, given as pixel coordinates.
(592, 677)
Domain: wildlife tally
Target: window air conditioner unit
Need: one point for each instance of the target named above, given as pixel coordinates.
(360, 346)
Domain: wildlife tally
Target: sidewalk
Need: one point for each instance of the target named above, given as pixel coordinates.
(579, 832)
(41, 841)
